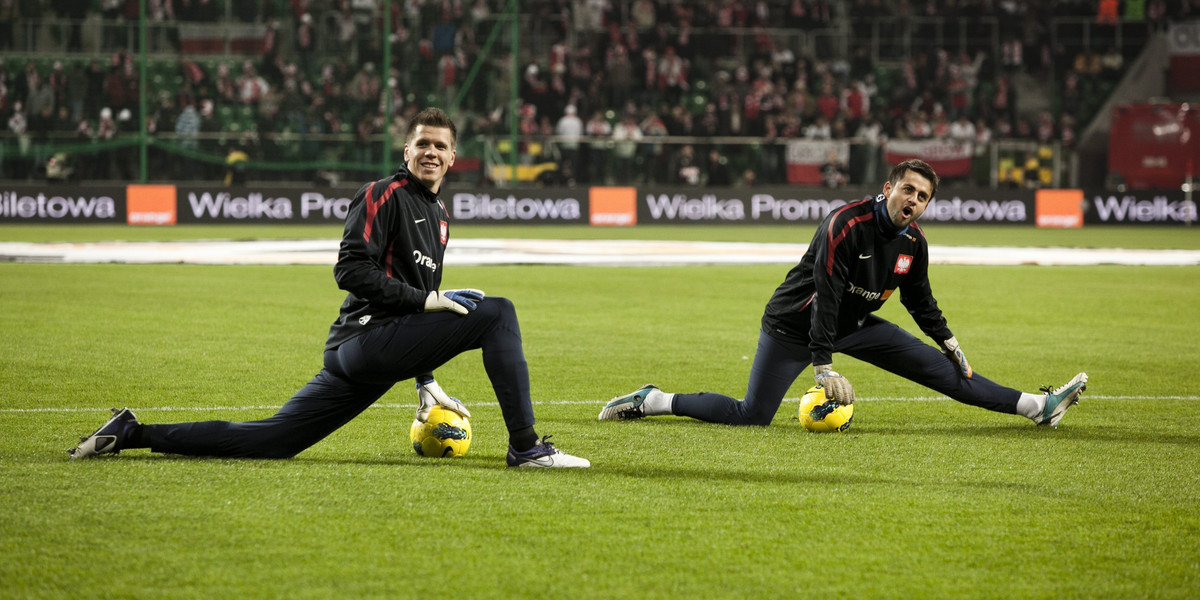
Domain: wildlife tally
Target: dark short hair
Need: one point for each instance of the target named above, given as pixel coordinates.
(432, 117)
(919, 167)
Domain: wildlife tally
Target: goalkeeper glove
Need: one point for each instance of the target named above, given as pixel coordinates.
(836, 386)
(955, 354)
(430, 394)
(459, 301)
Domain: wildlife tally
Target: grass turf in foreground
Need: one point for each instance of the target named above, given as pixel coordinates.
(921, 499)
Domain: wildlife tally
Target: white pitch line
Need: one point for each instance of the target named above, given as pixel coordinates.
(488, 251)
(81, 409)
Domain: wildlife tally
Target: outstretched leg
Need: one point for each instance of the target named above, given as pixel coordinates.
(777, 363)
(317, 410)
(887, 346)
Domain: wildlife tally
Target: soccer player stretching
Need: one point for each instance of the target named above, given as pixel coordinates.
(859, 255)
(396, 324)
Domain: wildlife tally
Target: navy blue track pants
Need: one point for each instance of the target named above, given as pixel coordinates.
(359, 372)
(778, 362)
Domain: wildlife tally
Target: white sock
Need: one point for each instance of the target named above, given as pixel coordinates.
(657, 403)
(1031, 405)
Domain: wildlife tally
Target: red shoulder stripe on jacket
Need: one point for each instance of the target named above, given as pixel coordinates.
(373, 205)
(835, 240)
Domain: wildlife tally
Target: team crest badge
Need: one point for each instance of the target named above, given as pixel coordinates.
(444, 227)
(903, 263)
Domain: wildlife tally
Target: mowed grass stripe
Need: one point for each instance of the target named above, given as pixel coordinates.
(597, 403)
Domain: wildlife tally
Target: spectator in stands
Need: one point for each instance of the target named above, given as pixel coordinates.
(117, 88)
(828, 103)
(365, 88)
(75, 90)
(364, 137)
(86, 167)
(1003, 100)
(940, 127)
(39, 107)
(394, 95)
(19, 126)
(717, 169)
(626, 136)
(871, 134)
(917, 125)
(305, 41)
(110, 12)
(164, 34)
(834, 172)
(1066, 131)
(1002, 129)
(125, 158)
(679, 121)
(620, 75)
(962, 130)
(644, 14)
(708, 123)
(250, 86)
(22, 82)
(569, 129)
(57, 81)
(855, 103)
(672, 72)
(187, 127)
(654, 155)
(346, 29)
(94, 98)
(1044, 131)
(685, 167)
(600, 130)
(62, 126)
(449, 66)
(6, 98)
(819, 129)
(106, 131)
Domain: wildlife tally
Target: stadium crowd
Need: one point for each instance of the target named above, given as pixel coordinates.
(598, 81)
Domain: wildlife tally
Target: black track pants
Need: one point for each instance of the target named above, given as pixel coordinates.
(778, 362)
(359, 372)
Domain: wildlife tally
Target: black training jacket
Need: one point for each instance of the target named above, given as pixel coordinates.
(391, 254)
(850, 269)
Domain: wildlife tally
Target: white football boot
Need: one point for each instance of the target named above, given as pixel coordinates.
(1059, 400)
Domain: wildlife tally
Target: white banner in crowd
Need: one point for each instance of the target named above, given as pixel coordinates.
(806, 157)
(949, 159)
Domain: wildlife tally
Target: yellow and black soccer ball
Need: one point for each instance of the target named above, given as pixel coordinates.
(822, 415)
(445, 433)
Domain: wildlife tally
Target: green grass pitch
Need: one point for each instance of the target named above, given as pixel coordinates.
(922, 498)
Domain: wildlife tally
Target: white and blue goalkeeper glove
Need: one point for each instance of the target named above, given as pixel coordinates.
(430, 394)
(955, 354)
(836, 387)
(459, 301)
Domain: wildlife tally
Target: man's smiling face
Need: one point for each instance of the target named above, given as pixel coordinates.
(428, 154)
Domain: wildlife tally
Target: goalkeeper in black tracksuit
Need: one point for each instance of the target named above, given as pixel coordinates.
(859, 256)
(396, 324)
